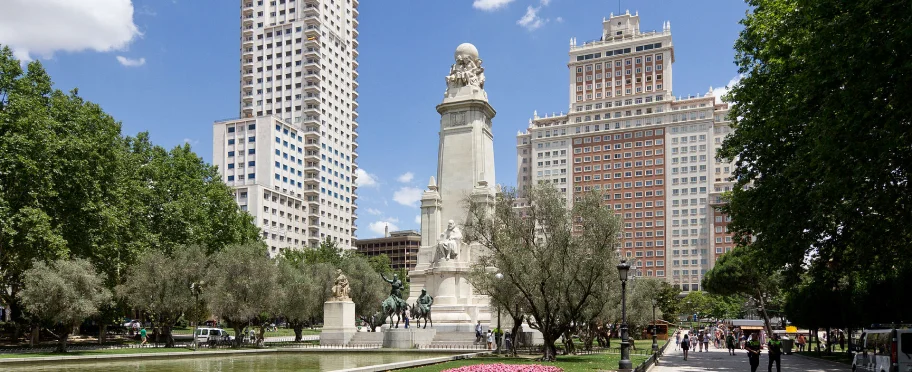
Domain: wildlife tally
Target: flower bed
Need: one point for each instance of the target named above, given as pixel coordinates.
(500, 367)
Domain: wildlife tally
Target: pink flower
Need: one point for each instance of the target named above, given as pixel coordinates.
(499, 367)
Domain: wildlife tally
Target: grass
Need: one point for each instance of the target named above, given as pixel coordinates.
(97, 352)
(838, 357)
(569, 363)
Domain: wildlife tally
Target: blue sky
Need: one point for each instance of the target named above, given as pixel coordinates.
(170, 67)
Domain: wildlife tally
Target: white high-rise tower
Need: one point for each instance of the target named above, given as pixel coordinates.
(291, 156)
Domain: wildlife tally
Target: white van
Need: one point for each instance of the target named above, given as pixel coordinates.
(884, 350)
(216, 335)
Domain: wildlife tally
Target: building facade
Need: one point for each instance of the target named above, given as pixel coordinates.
(298, 90)
(400, 246)
(628, 137)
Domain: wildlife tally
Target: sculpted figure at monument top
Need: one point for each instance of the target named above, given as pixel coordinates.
(448, 244)
(341, 290)
(467, 70)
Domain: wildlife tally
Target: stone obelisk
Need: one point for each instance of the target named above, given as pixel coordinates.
(465, 169)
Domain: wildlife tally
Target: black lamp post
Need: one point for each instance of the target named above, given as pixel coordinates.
(497, 336)
(624, 364)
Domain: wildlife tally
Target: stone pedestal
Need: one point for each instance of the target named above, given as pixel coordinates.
(400, 338)
(338, 323)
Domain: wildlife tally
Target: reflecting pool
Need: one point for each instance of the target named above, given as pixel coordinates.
(269, 362)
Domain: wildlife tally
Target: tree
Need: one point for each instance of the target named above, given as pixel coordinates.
(367, 288)
(240, 285)
(162, 285)
(63, 293)
(741, 272)
(561, 260)
(301, 287)
(821, 142)
(669, 302)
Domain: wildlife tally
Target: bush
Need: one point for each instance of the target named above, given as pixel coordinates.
(500, 367)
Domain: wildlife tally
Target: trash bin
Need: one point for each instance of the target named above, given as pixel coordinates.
(787, 345)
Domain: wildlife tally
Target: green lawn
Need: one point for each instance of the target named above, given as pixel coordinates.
(98, 352)
(569, 363)
(838, 357)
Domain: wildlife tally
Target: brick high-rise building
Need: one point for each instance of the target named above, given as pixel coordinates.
(291, 155)
(627, 136)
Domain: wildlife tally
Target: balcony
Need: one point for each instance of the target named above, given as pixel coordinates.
(312, 99)
(354, 53)
(311, 11)
(312, 31)
(355, 12)
(354, 32)
(354, 114)
(354, 155)
(311, 192)
(313, 54)
(355, 64)
(354, 73)
(354, 104)
(312, 77)
(355, 3)
(311, 133)
(355, 43)
(312, 65)
(312, 88)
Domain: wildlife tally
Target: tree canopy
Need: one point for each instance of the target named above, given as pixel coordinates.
(822, 146)
(562, 260)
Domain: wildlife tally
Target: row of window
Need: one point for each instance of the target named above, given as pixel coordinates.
(598, 95)
(617, 52)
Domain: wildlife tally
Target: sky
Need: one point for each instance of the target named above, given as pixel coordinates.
(170, 67)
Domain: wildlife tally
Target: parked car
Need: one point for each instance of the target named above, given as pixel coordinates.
(212, 335)
(884, 350)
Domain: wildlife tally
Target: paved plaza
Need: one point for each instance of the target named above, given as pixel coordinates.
(719, 360)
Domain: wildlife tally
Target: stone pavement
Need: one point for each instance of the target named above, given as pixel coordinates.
(718, 360)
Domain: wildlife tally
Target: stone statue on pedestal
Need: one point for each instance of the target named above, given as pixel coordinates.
(448, 244)
(394, 305)
(422, 309)
(341, 290)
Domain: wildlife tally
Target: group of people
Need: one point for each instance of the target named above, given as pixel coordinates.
(490, 339)
(752, 345)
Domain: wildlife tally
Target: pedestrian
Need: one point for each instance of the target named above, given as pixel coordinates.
(478, 336)
(490, 340)
(753, 347)
(406, 319)
(801, 342)
(142, 336)
(730, 344)
(677, 340)
(775, 353)
(700, 338)
(706, 342)
(685, 345)
(842, 341)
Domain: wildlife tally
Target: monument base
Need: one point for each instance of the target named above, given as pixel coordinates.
(338, 323)
(399, 338)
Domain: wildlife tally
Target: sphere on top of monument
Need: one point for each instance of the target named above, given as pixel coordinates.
(466, 49)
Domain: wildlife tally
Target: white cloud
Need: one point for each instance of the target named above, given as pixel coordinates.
(545, 2)
(365, 179)
(719, 92)
(559, 20)
(418, 219)
(374, 211)
(379, 227)
(191, 141)
(408, 196)
(32, 27)
(131, 62)
(490, 5)
(406, 177)
(531, 21)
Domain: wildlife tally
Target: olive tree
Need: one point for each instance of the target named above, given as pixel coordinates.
(241, 285)
(163, 286)
(560, 258)
(62, 294)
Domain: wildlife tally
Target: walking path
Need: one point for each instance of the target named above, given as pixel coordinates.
(718, 360)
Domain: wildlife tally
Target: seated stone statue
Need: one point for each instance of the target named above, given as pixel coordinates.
(448, 243)
(341, 290)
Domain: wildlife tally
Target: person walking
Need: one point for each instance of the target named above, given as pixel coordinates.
(801, 341)
(685, 345)
(142, 336)
(753, 348)
(490, 340)
(478, 335)
(706, 337)
(775, 353)
(700, 338)
(842, 341)
(677, 340)
(730, 344)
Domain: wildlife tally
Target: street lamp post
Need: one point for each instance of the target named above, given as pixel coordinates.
(497, 338)
(655, 328)
(624, 364)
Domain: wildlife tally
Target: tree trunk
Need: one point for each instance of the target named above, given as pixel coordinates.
(764, 314)
(166, 332)
(34, 335)
(298, 330)
(549, 350)
(261, 339)
(62, 339)
(517, 324)
(102, 333)
(238, 327)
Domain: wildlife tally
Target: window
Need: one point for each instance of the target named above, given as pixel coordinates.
(230, 154)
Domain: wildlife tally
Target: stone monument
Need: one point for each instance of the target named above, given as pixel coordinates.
(465, 169)
(338, 314)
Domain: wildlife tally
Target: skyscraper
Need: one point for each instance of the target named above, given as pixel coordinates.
(626, 135)
(291, 155)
